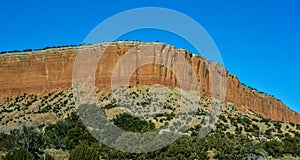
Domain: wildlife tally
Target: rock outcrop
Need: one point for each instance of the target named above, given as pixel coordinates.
(44, 71)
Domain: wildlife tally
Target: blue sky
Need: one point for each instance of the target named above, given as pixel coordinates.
(258, 40)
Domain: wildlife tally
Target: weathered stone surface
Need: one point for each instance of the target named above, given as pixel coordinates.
(51, 70)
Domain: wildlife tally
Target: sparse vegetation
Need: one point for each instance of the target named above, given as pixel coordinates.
(234, 135)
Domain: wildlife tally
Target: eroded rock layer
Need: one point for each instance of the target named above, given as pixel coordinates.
(44, 71)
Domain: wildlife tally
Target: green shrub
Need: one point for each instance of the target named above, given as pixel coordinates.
(66, 134)
(292, 145)
(264, 120)
(133, 124)
(233, 122)
(229, 146)
(274, 148)
(238, 130)
(221, 117)
(31, 139)
(7, 142)
(84, 152)
(278, 126)
(18, 154)
(169, 116)
(268, 132)
(298, 126)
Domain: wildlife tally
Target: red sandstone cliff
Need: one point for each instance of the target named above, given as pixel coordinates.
(49, 70)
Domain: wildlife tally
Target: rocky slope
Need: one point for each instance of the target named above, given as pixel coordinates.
(51, 70)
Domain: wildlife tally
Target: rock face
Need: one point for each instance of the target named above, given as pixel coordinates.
(44, 71)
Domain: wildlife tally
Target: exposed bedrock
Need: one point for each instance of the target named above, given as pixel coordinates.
(44, 71)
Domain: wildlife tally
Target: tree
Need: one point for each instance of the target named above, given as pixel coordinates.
(292, 145)
(229, 146)
(18, 154)
(55, 133)
(278, 126)
(274, 148)
(185, 148)
(31, 139)
(84, 152)
(66, 134)
(7, 142)
(76, 134)
(133, 124)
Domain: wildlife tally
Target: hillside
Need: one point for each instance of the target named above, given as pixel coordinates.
(43, 71)
(55, 130)
(215, 118)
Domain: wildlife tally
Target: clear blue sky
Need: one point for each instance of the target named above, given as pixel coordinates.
(258, 39)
